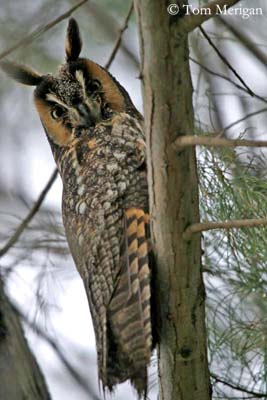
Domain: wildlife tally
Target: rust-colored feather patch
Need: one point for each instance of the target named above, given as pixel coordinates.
(55, 129)
(111, 92)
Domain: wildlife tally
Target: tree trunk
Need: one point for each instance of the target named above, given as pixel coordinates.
(173, 190)
(20, 376)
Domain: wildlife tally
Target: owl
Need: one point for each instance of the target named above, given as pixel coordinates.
(97, 139)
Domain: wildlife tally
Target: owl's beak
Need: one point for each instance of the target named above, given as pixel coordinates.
(88, 116)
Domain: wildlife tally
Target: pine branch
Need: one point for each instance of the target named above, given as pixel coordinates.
(39, 31)
(233, 224)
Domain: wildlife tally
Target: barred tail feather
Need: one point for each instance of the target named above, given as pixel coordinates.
(129, 313)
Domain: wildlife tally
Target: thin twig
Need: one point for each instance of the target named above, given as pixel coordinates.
(25, 222)
(185, 141)
(233, 224)
(110, 25)
(225, 61)
(252, 114)
(226, 78)
(193, 21)
(39, 31)
(238, 387)
(119, 38)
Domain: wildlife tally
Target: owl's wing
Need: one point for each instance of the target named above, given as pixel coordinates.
(114, 263)
(99, 269)
(118, 290)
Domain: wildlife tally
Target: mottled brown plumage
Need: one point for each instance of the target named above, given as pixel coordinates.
(97, 139)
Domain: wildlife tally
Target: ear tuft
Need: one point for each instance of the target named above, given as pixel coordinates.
(21, 73)
(73, 44)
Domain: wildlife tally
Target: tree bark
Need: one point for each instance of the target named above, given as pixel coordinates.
(20, 376)
(174, 205)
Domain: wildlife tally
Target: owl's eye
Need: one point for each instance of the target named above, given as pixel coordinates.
(95, 85)
(57, 112)
(106, 112)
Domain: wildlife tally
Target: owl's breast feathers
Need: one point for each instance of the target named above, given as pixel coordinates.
(105, 213)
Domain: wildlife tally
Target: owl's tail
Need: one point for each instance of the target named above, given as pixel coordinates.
(129, 312)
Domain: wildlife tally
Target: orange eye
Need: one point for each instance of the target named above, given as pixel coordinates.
(57, 112)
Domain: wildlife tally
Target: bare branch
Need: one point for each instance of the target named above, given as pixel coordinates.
(39, 31)
(110, 28)
(12, 240)
(225, 61)
(194, 21)
(235, 223)
(238, 387)
(119, 38)
(226, 78)
(185, 141)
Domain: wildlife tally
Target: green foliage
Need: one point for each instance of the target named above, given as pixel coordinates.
(235, 262)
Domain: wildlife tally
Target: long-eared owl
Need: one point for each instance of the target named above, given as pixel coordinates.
(97, 139)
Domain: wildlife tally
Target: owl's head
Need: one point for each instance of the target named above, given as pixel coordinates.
(80, 96)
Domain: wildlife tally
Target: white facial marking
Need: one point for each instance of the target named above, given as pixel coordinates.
(52, 97)
(80, 78)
